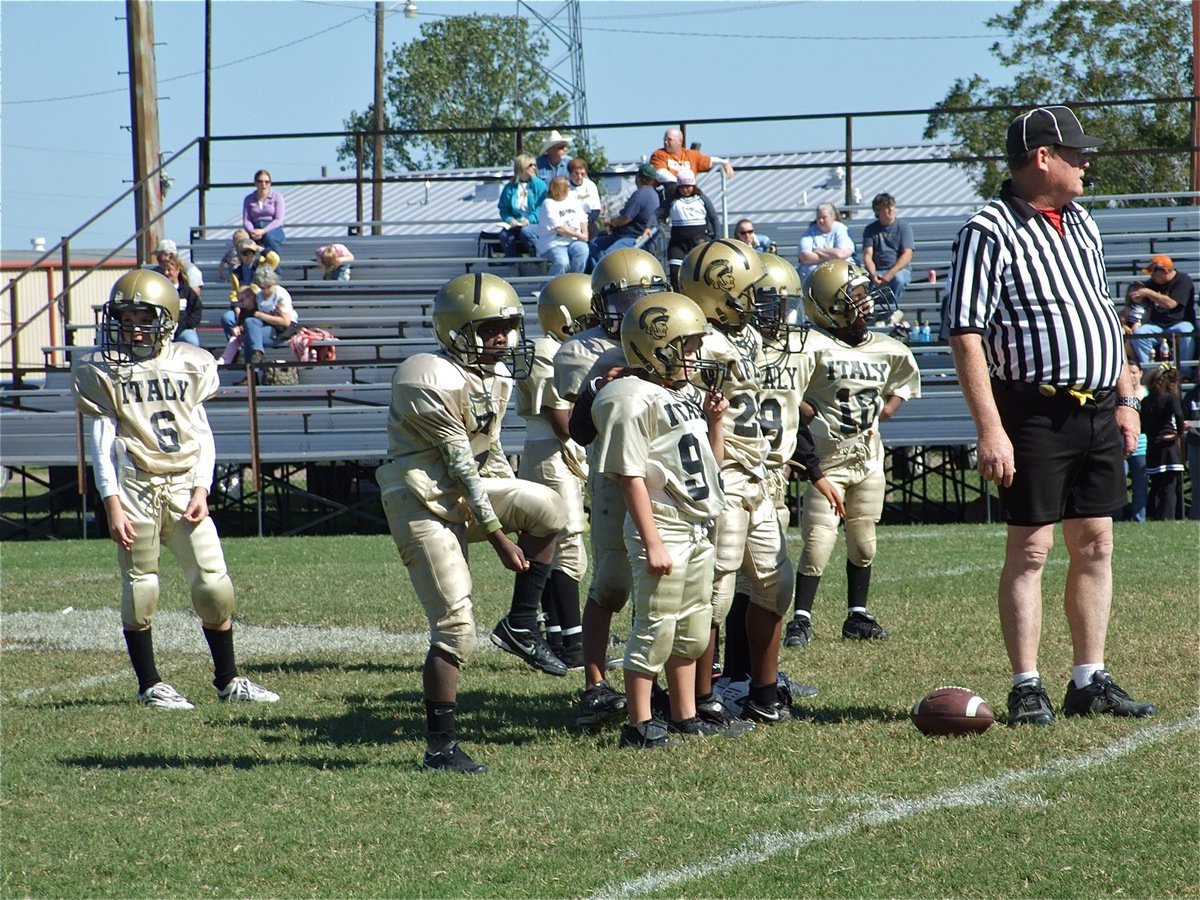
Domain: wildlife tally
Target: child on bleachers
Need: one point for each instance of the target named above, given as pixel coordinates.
(335, 262)
(244, 301)
(230, 260)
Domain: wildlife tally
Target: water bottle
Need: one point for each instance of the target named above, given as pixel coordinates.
(926, 335)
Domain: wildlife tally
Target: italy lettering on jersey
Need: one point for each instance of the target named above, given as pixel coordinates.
(153, 401)
(848, 388)
(745, 443)
(659, 434)
(576, 357)
(783, 386)
(442, 409)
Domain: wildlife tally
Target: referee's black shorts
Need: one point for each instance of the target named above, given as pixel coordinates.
(1070, 458)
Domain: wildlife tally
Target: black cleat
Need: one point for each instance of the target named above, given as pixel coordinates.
(1029, 704)
(600, 705)
(571, 657)
(648, 735)
(862, 627)
(1105, 697)
(770, 714)
(799, 632)
(529, 646)
(715, 712)
(452, 759)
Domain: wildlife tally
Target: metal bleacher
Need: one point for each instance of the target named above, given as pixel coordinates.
(302, 457)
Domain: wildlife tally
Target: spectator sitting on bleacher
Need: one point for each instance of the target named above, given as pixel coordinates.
(585, 191)
(888, 247)
(826, 238)
(263, 212)
(189, 317)
(335, 262)
(272, 322)
(168, 248)
(230, 260)
(519, 202)
(634, 222)
(250, 257)
(744, 232)
(552, 161)
(1170, 302)
(562, 229)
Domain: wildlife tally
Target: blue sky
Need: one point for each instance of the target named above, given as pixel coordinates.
(301, 66)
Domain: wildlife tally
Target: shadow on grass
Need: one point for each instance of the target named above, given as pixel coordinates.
(839, 714)
(314, 666)
(167, 761)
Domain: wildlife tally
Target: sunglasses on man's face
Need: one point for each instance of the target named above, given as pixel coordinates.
(746, 231)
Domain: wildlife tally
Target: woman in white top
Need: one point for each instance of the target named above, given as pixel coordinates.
(584, 189)
(562, 229)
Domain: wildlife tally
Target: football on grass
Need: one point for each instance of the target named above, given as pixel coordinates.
(952, 711)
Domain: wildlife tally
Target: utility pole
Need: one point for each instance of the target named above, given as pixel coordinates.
(143, 108)
(377, 147)
(1195, 98)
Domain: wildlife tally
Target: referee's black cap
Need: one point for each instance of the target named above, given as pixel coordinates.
(1046, 126)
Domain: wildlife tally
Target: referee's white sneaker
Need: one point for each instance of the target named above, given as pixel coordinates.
(243, 690)
(163, 696)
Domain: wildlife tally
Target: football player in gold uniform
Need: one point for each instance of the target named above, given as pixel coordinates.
(584, 361)
(551, 458)
(859, 379)
(142, 396)
(448, 483)
(660, 438)
(722, 277)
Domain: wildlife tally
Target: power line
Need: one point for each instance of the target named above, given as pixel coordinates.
(800, 37)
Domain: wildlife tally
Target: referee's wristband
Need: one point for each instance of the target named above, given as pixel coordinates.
(1132, 402)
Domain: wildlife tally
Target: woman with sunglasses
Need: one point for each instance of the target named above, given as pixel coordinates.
(263, 213)
(519, 202)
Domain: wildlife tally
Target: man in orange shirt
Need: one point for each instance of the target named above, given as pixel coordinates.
(672, 156)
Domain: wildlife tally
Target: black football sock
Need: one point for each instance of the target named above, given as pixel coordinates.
(527, 594)
(858, 583)
(765, 695)
(737, 644)
(440, 723)
(806, 593)
(220, 645)
(566, 595)
(141, 653)
(550, 612)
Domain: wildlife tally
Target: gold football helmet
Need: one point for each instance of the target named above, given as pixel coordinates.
(565, 305)
(621, 278)
(839, 297)
(722, 277)
(780, 297)
(141, 289)
(653, 333)
(467, 302)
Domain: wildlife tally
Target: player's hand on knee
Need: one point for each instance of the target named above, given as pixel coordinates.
(197, 508)
(511, 556)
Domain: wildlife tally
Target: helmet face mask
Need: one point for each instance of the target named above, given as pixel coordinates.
(139, 318)
(839, 297)
(722, 277)
(660, 335)
(619, 280)
(470, 311)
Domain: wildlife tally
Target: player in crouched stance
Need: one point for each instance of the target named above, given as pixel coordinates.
(859, 379)
(448, 483)
(661, 438)
(142, 396)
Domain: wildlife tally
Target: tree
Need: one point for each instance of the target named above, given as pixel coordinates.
(1085, 50)
(462, 71)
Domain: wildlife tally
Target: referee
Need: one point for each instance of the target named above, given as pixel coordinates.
(1039, 353)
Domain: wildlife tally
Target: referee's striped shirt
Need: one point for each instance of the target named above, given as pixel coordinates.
(1040, 299)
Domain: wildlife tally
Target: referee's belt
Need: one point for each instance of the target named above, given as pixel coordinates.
(1080, 395)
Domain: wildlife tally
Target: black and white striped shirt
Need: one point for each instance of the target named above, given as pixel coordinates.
(1039, 298)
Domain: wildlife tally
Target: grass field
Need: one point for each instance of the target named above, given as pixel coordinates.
(320, 795)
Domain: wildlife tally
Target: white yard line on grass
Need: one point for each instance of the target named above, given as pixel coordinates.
(986, 792)
(84, 684)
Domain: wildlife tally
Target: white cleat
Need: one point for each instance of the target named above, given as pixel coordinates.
(163, 696)
(243, 690)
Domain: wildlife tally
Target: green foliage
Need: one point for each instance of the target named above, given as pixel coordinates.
(475, 71)
(320, 795)
(1085, 50)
